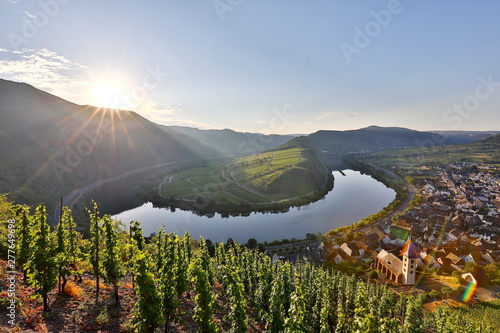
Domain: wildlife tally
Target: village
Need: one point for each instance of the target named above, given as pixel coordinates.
(442, 246)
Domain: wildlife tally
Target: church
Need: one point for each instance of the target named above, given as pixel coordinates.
(398, 270)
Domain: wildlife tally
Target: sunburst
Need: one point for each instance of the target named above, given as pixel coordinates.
(108, 95)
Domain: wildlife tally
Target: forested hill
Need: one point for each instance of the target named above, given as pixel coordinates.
(373, 138)
(230, 142)
(50, 146)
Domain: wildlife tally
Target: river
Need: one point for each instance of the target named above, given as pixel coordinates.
(353, 197)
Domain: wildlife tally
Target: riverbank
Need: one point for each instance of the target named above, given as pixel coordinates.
(405, 196)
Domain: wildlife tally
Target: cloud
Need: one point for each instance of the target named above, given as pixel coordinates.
(336, 114)
(45, 70)
(51, 72)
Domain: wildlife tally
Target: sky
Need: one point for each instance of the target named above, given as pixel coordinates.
(274, 67)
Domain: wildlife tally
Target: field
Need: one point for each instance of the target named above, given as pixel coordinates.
(264, 178)
(477, 152)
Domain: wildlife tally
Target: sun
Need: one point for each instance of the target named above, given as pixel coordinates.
(108, 95)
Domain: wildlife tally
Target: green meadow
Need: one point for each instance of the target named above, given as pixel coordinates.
(263, 178)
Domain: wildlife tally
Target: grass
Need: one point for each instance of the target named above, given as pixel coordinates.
(263, 178)
(477, 152)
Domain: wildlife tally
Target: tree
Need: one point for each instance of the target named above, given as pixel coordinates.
(95, 237)
(297, 316)
(146, 318)
(23, 236)
(204, 299)
(65, 247)
(237, 301)
(41, 268)
(112, 264)
(252, 243)
(167, 268)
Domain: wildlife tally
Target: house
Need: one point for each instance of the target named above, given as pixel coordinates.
(456, 260)
(378, 231)
(369, 241)
(340, 256)
(469, 278)
(470, 258)
(454, 235)
(429, 261)
(489, 258)
(352, 250)
(458, 222)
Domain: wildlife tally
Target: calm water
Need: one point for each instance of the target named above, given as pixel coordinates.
(354, 197)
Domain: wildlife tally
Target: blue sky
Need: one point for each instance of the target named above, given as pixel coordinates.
(265, 66)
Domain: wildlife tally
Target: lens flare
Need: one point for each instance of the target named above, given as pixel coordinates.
(469, 291)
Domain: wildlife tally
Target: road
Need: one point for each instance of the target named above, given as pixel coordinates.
(404, 205)
(70, 199)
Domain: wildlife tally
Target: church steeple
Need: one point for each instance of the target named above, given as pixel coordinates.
(410, 255)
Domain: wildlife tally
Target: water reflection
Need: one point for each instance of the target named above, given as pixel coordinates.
(354, 197)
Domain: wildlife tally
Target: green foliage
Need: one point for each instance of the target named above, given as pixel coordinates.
(147, 317)
(113, 267)
(268, 182)
(493, 272)
(483, 317)
(204, 299)
(25, 225)
(168, 267)
(239, 287)
(6, 213)
(41, 266)
(95, 249)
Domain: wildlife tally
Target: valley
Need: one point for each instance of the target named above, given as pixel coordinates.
(217, 182)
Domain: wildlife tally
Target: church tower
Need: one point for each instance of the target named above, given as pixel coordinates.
(410, 255)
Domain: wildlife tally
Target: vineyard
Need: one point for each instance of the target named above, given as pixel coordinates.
(179, 284)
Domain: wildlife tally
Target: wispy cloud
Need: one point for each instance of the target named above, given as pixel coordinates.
(337, 114)
(49, 71)
(44, 69)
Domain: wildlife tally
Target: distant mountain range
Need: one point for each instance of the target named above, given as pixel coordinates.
(229, 142)
(466, 136)
(50, 146)
(373, 138)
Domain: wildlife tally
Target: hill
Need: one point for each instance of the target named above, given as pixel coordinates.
(466, 136)
(292, 169)
(373, 138)
(290, 175)
(485, 151)
(50, 146)
(229, 142)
